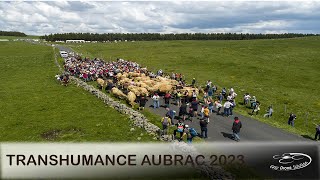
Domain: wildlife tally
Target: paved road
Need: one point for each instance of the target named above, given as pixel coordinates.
(63, 48)
(219, 128)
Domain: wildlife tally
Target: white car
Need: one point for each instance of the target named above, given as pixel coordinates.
(63, 54)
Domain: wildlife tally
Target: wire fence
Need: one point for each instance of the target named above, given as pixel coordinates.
(306, 118)
(306, 121)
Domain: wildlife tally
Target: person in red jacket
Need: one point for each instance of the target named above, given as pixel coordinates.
(237, 125)
(167, 98)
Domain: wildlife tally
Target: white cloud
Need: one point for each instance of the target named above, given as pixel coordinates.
(163, 17)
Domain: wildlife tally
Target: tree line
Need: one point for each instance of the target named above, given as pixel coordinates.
(12, 33)
(158, 36)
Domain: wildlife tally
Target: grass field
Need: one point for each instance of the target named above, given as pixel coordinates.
(283, 72)
(18, 37)
(35, 107)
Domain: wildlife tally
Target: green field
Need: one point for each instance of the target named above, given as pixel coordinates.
(35, 107)
(18, 37)
(283, 72)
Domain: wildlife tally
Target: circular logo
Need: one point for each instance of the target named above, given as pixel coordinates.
(291, 161)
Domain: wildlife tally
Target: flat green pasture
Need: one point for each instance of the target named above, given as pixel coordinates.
(35, 107)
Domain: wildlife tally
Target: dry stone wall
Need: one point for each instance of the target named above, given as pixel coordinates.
(139, 120)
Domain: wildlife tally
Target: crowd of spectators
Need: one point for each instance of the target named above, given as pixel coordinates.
(90, 70)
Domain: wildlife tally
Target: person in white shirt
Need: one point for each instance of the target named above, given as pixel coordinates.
(173, 76)
(227, 105)
(58, 77)
(246, 98)
(218, 106)
(194, 94)
(231, 91)
(202, 112)
(234, 95)
(229, 98)
(269, 112)
(156, 102)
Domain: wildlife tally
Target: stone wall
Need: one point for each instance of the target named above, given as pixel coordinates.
(139, 120)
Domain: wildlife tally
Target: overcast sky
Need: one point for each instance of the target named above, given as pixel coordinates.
(39, 18)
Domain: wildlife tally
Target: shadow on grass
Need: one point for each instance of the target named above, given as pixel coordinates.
(248, 107)
(308, 137)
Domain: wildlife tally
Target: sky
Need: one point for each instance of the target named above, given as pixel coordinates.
(40, 18)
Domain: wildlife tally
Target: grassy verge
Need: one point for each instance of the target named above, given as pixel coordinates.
(281, 72)
(35, 107)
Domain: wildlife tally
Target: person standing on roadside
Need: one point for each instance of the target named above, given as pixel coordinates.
(155, 98)
(224, 93)
(166, 121)
(206, 113)
(186, 96)
(236, 126)
(194, 106)
(204, 128)
(167, 98)
(210, 92)
(190, 133)
(178, 98)
(220, 97)
(227, 105)
(233, 102)
(291, 119)
(218, 106)
(183, 111)
(194, 95)
(171, 114)
(214, 88)
(173, 76)
(246, 99)
(180, 128)
(142, 102)
(210, 106)
(202, 112)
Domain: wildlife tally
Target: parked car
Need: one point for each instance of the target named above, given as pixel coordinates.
(63, 54)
